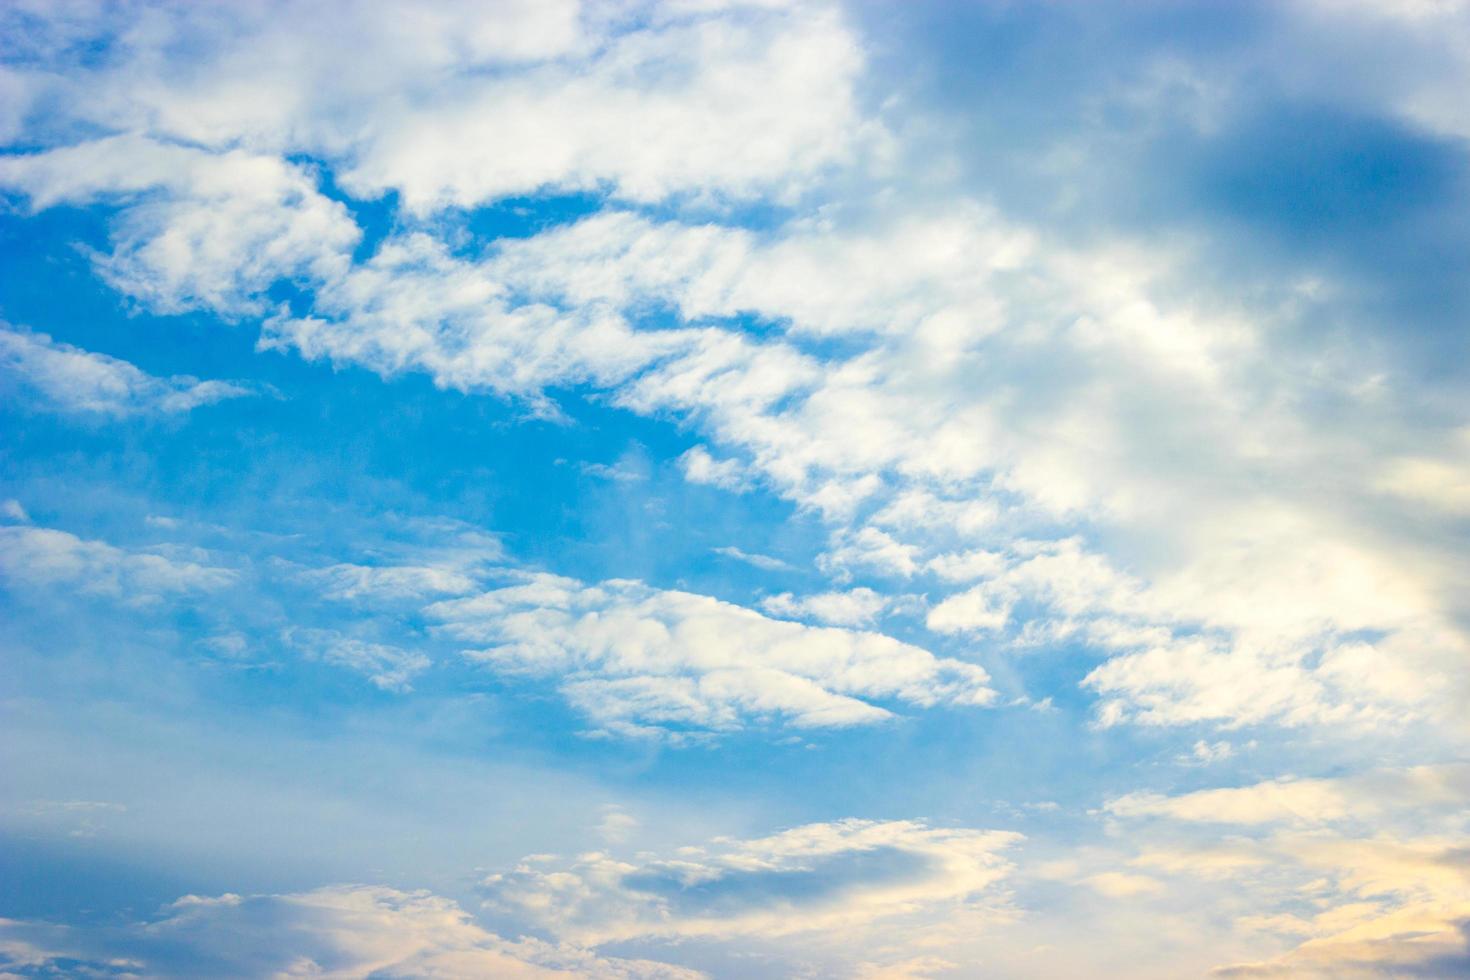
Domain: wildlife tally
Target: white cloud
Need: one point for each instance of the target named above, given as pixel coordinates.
(637, 659)
(1309, 800)
(1220, 639)
(414, 306)
(350, 582)
(348, 931)
(870, 549)
(961, 458)
(1204, 680)
(199, 229)
(763, 562)
(920, 510)
(1207, 752)
(73, 380)
(37, 558)
(616, 825)
(1365, 796)
(998, 386)
(390, 668)
(890, 277)
(457, 106)
(700, 467)
(196, 75)
(1424, 44)
(900, 433)
(1442, 483)
(1120, 884)
(229, 646)
(966, 566)
(837, 879)
(974, 610)
(1090, 445)
(856, 607)
(634, 117)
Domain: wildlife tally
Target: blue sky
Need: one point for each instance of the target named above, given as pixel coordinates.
(719, 489)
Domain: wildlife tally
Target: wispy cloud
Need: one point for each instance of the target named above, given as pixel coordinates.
(763, 562)
(855, 607)
(72, 380)
(638, 659)
(388, 667)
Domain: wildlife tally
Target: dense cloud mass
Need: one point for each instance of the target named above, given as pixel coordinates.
(902, 490)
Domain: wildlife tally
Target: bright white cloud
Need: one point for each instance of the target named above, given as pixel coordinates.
(73, 380)
(639, 659)
(700, 467)
(200, 229)
(634, 117)
(1214, 642)
(458, 105)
